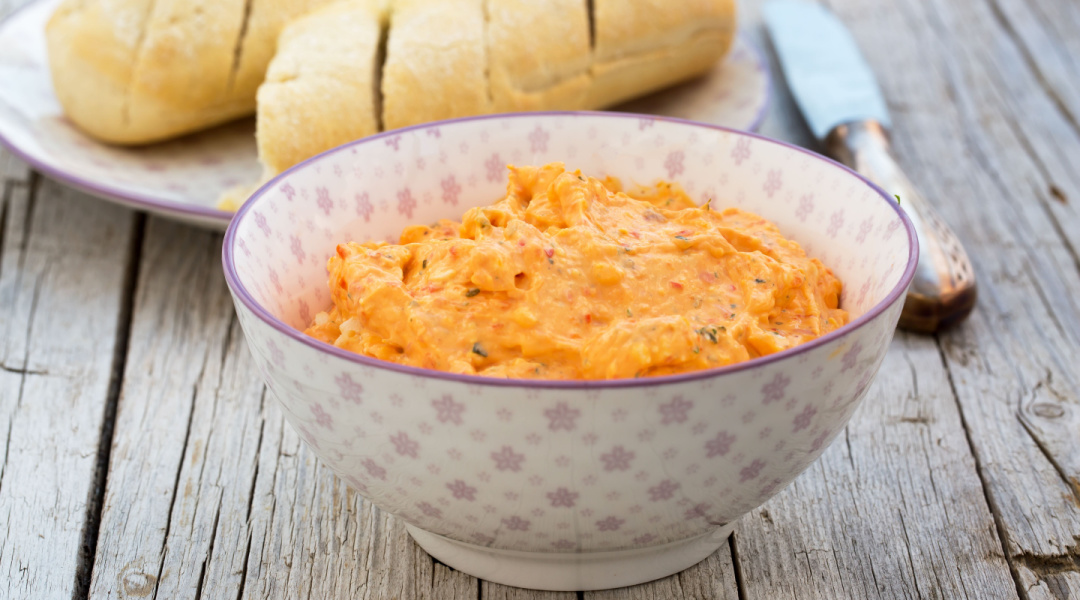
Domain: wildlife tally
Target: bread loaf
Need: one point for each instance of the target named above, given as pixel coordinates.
(456, 58)
(138, 71)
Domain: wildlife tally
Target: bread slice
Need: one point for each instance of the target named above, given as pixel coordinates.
(538, 54)
(436, 62)
(646, 45)
(321, 89)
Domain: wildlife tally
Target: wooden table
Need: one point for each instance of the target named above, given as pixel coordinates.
(141, 457)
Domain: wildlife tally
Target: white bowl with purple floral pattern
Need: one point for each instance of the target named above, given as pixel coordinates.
(563, 485)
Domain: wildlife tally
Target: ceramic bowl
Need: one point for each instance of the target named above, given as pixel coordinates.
(563, 485)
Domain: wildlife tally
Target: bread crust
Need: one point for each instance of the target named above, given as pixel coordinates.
(139, 71)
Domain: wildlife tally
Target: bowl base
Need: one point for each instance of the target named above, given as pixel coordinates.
(563, 572)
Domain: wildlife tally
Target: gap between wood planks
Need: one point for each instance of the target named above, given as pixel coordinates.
(1041, 564)
(176, 489)
(1062, 106)
(736, 563)
(6, 193)
(999, 525)
(88, 547)
(1033, 65)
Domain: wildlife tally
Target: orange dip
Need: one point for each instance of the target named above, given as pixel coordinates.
(569, 277)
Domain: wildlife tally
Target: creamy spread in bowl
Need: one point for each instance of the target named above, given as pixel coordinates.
(572, 277)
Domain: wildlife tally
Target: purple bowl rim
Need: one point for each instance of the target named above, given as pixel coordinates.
(242, 296)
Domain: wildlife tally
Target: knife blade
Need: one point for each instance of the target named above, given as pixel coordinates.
(839, 97)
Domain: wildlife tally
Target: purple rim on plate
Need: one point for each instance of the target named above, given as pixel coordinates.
(242, 295)
(766, 70)
(143, 202)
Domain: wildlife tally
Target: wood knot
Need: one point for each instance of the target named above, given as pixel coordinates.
(135, 583)
(1047, 410)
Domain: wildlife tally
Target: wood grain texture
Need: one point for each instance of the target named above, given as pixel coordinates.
(64, 260)
(894, 509)
(12, 170)
(157, 489)
(959, 477)
(976, 124)
(1045, 36)
(1049, 582)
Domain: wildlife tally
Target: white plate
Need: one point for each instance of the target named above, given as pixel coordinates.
(184, 178)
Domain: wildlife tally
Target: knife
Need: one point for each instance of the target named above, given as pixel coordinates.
(841, 102)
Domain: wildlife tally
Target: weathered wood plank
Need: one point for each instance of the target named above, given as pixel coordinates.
(64, 262)
(1046, 33)
(175, 355)
(976, 126)
(1038, 95)
(894, 509)
(306, 534)
(16, 207)
(1049, 582)
(12, 169)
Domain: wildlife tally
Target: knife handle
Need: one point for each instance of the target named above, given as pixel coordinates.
(944, 290)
